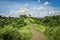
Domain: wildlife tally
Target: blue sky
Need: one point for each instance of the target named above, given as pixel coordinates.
(35, 5)
(14, 4)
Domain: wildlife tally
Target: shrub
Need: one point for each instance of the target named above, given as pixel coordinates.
(9, 33)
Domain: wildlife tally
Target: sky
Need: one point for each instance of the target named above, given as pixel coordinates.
(36, 8)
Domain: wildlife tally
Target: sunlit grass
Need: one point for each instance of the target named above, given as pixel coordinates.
(39, 28)
(25, 33)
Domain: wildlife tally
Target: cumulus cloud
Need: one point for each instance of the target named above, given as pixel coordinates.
(46, 3)
(23, 10)
(40, 12)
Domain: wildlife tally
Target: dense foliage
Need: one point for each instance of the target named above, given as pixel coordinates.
(9, 33)
(48, 21)
(15, 28)
(15, 22)
(52, 25)
(9, 27)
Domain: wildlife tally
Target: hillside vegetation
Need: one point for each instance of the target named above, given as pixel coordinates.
(49, 26)
(14, 28)
(19, 28)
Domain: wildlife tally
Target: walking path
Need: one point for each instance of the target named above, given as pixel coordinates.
(35, 34)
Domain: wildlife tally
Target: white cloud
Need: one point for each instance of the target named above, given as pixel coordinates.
(23, 10)
(46, 3)
(41, 11)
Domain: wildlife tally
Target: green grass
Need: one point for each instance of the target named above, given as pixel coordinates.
(25, 33)
(39, 28)
(53, 33)
(9, 33)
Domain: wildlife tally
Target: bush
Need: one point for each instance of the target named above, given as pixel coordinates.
(53, 33)
(18, 23)
(9, 33)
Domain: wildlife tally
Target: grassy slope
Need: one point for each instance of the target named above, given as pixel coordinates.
(38, 27)
(52, 32)
(25, 33)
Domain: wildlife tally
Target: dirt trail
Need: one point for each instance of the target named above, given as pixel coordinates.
(35, 34)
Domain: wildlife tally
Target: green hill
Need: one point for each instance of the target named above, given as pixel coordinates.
(19, 28)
